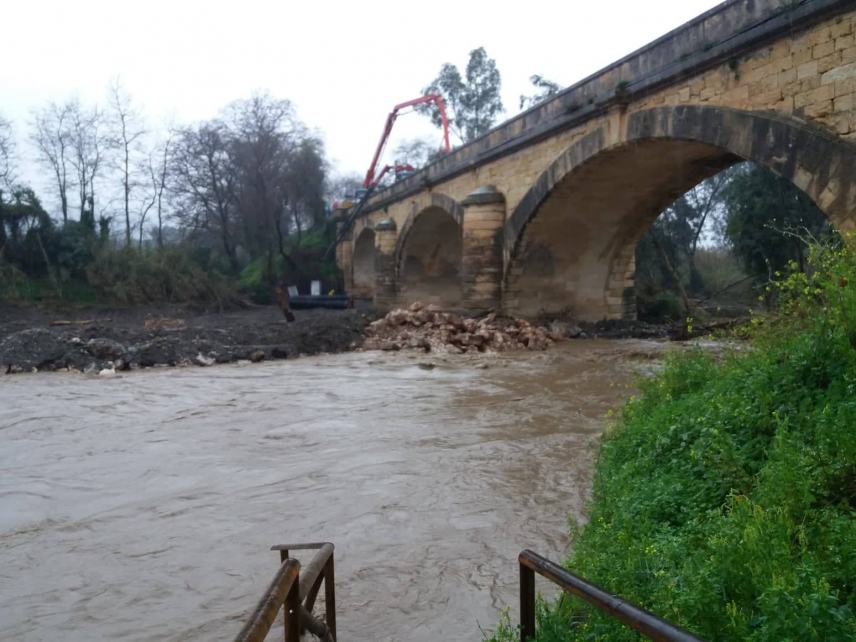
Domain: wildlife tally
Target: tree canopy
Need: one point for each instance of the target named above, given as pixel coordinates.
(472, 98)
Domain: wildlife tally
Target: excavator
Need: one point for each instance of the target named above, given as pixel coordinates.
(373, 176)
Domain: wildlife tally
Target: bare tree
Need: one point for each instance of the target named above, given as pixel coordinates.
(51, 137)
(159, 162)
(127, 129)
(145, 205)
(204, 185)
(281, 175)
(86, 144)
(7, 152)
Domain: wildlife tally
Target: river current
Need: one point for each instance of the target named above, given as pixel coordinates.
(142, 507)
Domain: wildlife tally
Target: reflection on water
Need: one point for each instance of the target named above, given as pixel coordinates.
(143, 507)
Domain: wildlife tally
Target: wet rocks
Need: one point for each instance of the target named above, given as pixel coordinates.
(102, 348)
(158, 351)
(204, 360)
(40, 348)
(427, 328)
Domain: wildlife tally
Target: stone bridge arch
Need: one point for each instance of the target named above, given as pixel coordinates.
(428, 253)
(570, 241)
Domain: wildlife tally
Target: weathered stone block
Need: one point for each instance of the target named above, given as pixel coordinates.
(801, 57)
(844, 103)
(822, 93)
(818, 110)
(807, 70)
(845, 42)
(841, 28)
(787, 76)
(823, 49)
(844, 72)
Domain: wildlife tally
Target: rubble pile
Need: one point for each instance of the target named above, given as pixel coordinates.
(429, 329)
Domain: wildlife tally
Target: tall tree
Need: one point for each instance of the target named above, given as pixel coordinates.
(417, 152)
(158, 170)
(544, 89)
(473, 98)
(86, 145)
(261, 132)
(665, 257)
(303, 185)
(7, 152)
(126, 131)
(51, 137)
(769, 219)
(205, 186)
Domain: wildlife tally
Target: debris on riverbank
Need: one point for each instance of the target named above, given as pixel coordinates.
(94, 341)
(430, 329)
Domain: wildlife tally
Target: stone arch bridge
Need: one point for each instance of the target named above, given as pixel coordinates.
(543, 213)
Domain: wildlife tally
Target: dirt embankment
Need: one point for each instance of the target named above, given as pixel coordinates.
(95, 340)
(103, 340)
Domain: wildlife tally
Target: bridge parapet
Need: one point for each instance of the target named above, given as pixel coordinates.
(720, 35)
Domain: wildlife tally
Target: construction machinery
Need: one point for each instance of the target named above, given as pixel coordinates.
(373, 176)
(372, 180)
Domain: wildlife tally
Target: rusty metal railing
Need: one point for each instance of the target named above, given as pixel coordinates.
(633, 616)
(296, 588)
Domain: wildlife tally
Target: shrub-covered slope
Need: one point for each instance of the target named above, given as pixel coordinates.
(725, 496)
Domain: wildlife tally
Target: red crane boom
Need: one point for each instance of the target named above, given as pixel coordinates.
(371, 180)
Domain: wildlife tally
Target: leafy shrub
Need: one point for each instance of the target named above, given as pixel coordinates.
(256, 280)
(662, 306)
(167, 275)
(725, 497)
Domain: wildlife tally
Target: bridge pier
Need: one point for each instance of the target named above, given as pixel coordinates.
(386, 290)
(344, 249)
(481, 261)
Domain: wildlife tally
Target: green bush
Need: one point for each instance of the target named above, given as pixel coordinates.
(724, 498)
(167, 275)
(659, 307)
(256, 279)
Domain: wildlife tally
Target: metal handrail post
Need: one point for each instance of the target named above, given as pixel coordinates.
(291, 614)
(527, 603)
(330, 597)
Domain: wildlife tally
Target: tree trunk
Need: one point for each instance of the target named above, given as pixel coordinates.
(674, 274)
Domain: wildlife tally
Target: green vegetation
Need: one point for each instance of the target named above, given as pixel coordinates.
(725, 495)
(745, 223)
(472, 99)
(200, 206)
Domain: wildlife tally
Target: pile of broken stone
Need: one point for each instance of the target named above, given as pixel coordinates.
(430, 329)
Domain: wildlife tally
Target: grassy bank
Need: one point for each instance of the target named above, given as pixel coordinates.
(725, 495)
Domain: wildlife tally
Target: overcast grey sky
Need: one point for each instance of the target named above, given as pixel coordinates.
(343, 64)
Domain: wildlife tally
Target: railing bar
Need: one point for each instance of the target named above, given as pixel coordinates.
(312, 595)
(264, 615)
(298, 547)
(635, 617)
(310, 573)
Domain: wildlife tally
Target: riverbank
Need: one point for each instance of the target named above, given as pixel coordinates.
(107, 339)
(724, 496)
(90, 339)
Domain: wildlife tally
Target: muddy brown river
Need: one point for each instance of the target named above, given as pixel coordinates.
(142, 507)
